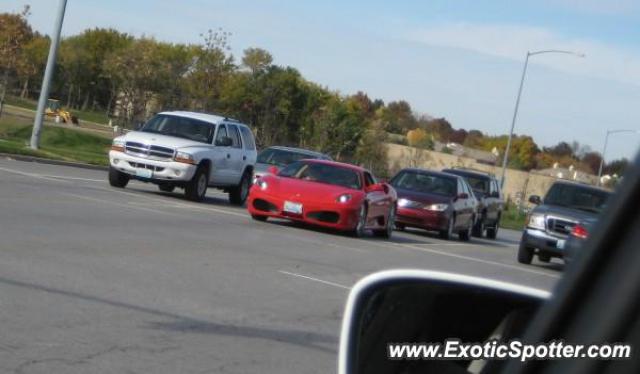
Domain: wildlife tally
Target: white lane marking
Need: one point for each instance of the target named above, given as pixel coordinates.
(108, 202)
(488, 262)
(314, 279)
(74, 178)
(32, 175)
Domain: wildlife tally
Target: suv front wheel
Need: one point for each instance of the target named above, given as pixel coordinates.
(196, 188)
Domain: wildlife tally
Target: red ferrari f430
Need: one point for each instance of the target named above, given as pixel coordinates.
(326, 193)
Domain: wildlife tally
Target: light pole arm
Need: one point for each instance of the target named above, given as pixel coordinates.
(505, 157)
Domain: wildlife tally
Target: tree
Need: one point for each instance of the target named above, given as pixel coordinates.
(31, 62)
(397, 117)
(256, 59)
(371, 152)
(562, 149)
(591, 161)
(420, 139)
(616, 167)
(15, 32)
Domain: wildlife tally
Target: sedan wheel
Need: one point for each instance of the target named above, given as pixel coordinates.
(446, 234)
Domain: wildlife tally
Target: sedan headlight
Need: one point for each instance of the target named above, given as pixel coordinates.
(536, 221)
(437, 207)
(406, 203)
(344, 198)
(185, 158)
(117, 145)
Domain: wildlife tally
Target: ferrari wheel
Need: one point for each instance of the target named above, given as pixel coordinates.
(358, 231)
(388, 230)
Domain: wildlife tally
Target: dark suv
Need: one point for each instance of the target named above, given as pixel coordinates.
(490, 203)
(550, 223)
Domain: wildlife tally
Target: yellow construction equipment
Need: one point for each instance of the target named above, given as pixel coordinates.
(55, 109)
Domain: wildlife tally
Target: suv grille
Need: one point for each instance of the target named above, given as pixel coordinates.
(559, 226)
(148, 151)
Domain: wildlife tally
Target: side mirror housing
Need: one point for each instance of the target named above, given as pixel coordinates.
(535, 199)
(417, 306)
(272, 170)
(462, 196)
(495, 194)
(224, 141)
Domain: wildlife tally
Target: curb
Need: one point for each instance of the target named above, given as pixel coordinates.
(41, 160)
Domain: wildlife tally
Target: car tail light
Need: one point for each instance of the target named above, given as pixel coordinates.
(579, 231)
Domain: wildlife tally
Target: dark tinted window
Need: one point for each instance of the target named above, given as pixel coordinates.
(322, 173)
(369, 179)
(425, 182)
(180, 127)
(577, 197)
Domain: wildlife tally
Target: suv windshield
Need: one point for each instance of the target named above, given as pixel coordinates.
(322, 173)
(180, 127)
(577, 197)
(425, 183)
(280, 157)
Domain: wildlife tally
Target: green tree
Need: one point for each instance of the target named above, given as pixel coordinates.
(31, 62)
(15, 32)
(256, 59)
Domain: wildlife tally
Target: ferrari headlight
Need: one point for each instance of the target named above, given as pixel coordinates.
(184, 157)
(437, 207)
(262, 184)
(344, 198)
(536, 221)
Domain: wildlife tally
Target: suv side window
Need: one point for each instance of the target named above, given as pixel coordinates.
(494, 186)
(235, 136)
(247, 138)
(222, 132)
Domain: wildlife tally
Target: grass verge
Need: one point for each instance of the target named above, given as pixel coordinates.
(97, 117)
(55, 143)
(512, 218)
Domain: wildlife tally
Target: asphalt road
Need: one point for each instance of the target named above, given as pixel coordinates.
(96, 279)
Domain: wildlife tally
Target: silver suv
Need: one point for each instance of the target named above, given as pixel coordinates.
(187, 150)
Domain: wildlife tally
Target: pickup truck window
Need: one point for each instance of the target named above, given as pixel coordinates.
(235, 136)
(222, 132)
(247, 138)
(577, 197)
(180, 127)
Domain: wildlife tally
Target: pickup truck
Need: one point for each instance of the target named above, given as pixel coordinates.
(187, 150)
(551, 222)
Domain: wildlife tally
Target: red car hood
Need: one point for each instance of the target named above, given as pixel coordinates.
(301, 190)
(424, 198)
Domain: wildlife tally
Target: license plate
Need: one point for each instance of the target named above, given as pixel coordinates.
(144, 173)
(560, 244)
(290, 207)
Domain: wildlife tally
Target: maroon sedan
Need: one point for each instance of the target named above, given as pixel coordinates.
(434, 201)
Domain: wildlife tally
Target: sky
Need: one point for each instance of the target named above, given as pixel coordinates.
(458, 59)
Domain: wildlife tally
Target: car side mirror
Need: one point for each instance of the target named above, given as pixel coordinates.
(535, 199)
(377, 187)
(224, 141)
(417, 306)
(462, 196)
(495, 194)
(139, 126)
(272, 170)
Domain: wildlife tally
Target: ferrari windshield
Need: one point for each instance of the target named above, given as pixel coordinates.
(417, 181)
(323, 173)
(180, 127)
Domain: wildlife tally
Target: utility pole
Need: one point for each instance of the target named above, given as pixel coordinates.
(48, 75)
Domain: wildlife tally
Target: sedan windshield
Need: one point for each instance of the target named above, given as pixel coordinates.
(281, 157)
(425, 183)
(180, 127)
(577, 197)
(322, 173)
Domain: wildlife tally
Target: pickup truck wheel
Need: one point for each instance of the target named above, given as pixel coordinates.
(166, 187)
(196, 188)
(117, 178)
(238, 195)
(478, 227)
(525, 254)
(492, 232)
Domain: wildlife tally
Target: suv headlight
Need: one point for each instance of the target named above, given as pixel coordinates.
(536, 221)
(185, 158)
(437, 207)
(117, 145)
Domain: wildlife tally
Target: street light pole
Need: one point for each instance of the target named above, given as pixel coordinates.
(48, 75)
(505, 158)
(604, 149)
